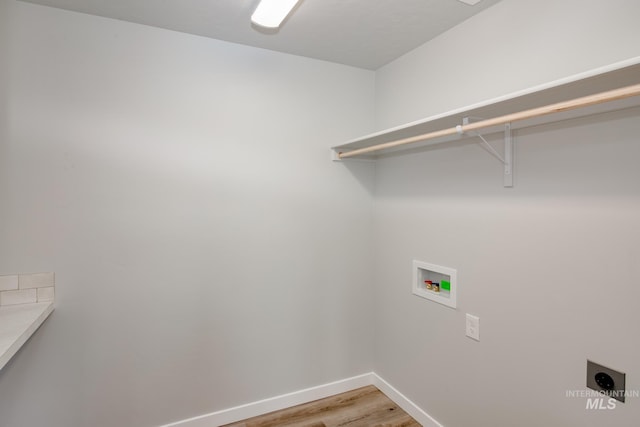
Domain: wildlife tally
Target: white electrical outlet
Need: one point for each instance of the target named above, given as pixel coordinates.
(473, 327)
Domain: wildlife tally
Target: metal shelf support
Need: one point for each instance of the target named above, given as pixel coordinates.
(508, 156)
(507, 159)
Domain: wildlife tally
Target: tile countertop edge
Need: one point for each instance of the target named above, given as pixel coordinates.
(28, 318)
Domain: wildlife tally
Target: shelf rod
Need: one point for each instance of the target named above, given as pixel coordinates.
(586, 101)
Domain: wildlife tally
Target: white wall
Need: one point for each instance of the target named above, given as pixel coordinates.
(146, 167)
(550, 266)
(515, 45)
(4, 95)
(207, 252)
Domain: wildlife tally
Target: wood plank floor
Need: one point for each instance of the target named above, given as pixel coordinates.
(363, 407)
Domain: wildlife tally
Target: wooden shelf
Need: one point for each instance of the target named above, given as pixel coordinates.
(615, 76)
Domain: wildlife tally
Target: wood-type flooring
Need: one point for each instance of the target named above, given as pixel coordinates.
(363, 407)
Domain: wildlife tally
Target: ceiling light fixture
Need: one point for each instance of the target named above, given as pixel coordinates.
(271, 13)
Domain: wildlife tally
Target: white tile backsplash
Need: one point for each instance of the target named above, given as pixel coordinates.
(22, 296)
(27, 288)
(46, 294)
(36, 280)
(8, 283)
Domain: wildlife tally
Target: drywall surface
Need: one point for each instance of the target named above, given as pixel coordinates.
(550, 266)
(514, 45)
(207, 252)
(4, 95)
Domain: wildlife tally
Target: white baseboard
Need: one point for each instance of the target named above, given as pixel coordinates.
(407, 405)
(265, 406)
(261, 407)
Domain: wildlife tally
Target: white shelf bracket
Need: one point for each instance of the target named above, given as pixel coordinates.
(508, 156)
(507, 159)
(491, 149)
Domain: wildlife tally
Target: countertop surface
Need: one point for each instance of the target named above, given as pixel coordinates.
(17, 324)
